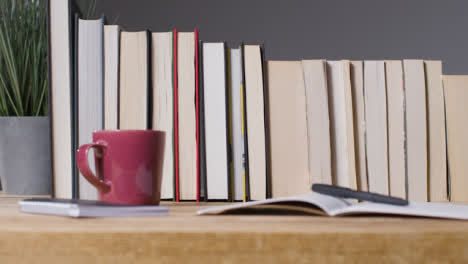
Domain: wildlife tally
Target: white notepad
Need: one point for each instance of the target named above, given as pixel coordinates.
(87, 208)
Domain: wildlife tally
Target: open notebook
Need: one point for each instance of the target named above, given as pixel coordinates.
(318, 204)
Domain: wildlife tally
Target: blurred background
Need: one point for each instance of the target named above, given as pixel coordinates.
(312, 29)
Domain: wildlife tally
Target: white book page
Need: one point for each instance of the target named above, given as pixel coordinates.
(163, 107)
(111, 76)
(255, 119)
(416, 129)
(318, 121)
(396, 129)
(60, 84)
(341, 127)
(326, 203)
(422, 209)
(187, 126)
(214, 79)
(90, 91)
(133, 80)
(375, 102)
(237, 125)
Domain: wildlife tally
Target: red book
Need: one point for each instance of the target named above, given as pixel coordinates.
(176, 120)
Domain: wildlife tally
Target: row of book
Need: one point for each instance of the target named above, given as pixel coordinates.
(358, 124)
(105, 78)
(239, 128)
(391, 127)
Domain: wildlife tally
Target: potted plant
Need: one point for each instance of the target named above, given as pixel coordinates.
(25, 160)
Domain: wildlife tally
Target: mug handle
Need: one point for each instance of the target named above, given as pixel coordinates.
(83, 166)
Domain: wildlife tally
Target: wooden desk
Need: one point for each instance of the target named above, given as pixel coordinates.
(183, 237)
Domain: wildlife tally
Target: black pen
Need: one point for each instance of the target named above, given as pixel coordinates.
(342, 192)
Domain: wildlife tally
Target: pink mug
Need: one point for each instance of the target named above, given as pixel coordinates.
(128, 165)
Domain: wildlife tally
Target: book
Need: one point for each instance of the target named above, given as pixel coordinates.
(230, 164)
(186, 116)
(134, 80)
(87, 208)
(239, 148)
(416, 129)
(244, 125)
(376, 126)
(318, 121)
(325, 205)
(216, 121)
(61, 96)
(437, 154)
(197, 112)
(357, 90)
(456, 96)
(111, 76)
(256, 122)
(75, 111)
(176, 114)
(288, 129)
(90, 90)
(163, 104)
(201, 131)
(396, 128)
(341, 124)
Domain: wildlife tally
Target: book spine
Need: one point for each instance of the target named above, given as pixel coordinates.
(267, 131)
(174, 74)
(227, 118)
(245, 128)
(74, 106)
(227, 74)
(176, 131)
(49, 99)
(149, 84)
(103, 20)
(202, 161)
(197, 106)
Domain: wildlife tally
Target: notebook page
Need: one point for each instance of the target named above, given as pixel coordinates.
(421, 209)
(326, 203)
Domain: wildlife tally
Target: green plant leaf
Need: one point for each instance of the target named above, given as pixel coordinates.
(23, 58)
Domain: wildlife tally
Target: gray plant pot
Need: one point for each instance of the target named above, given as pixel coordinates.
(25, 160)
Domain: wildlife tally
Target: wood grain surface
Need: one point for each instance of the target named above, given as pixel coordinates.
(183, 237)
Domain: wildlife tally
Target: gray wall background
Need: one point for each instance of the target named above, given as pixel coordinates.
(330, 29)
